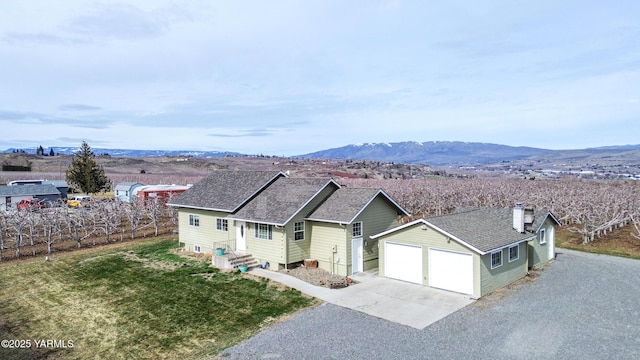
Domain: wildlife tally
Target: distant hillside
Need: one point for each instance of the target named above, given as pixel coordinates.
(432, 152)
(131, 153)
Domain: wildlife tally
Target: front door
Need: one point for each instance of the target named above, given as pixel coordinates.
(241, 236)
(357, 256)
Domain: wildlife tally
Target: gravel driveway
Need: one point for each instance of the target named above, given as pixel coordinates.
(581, 306)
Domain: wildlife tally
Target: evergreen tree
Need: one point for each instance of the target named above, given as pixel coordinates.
(85, 173)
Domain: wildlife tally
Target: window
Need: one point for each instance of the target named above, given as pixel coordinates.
(514, 253)
(496, 259)
(197, 248)
(264, 231)
(543, 238)
(222, 224)
(298, 230)
(357, 229)
(194, 220)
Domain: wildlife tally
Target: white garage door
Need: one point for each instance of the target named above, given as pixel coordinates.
(451, 271)
(403, 262)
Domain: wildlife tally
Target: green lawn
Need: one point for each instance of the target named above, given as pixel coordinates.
(139, 301)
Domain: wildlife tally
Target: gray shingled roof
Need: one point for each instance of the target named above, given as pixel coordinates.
(225, 190)
(344, 205)
(485, 229)
(35, 190)
(283, 199)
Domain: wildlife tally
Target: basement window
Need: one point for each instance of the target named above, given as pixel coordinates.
(194, 220)
(514, 253)
(496, 259)
(197, 248)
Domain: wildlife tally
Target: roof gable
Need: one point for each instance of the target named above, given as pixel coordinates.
(345, 204)
(282, 200)
(226, 190)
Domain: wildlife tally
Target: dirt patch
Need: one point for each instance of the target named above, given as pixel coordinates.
(619, 242)
(316, 276)
(499, 295)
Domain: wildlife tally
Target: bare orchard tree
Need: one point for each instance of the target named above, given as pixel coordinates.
(51, 226)
(33, 221)
(635, 220)
(107, 217)
(134, 214)
(4, 230)
(18, 224)
(153, 211)
(78, 224)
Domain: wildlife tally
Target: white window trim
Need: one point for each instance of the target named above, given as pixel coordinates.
(353, 232)
(542, 239)
(222, 224)
(298, 231)
(197, 249)
(517, 247)
(269, 231)
(496, 266)
(194, 220)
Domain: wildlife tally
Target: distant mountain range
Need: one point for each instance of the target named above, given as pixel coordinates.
(129, 152)
(432, 152)
(461, 153)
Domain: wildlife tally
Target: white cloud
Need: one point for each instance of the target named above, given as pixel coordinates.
(291, 77)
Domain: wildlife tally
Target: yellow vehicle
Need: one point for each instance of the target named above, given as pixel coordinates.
(80, 201)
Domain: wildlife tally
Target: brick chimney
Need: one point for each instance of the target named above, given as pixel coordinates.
(518, 217)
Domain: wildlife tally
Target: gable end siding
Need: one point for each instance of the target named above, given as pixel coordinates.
(379, 216)
(301, 249)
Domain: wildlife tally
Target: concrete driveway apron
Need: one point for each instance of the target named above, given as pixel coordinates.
(405, 303)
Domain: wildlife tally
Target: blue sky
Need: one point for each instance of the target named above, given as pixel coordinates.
(293, 77)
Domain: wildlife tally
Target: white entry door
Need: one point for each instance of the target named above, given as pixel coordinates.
(241, 236)
(357, 256)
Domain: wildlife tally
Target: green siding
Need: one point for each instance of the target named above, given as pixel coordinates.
(379, 216)
(267, 250)
(429, 238)
(301, 249)
(324, 237)
(494, 279)
(539, 253)
(297, 250)
(205, 235)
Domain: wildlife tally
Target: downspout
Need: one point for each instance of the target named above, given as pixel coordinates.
(286, 249)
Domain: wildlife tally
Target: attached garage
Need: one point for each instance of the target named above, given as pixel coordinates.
(472, 252)
(403, 262)
(451, 270)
